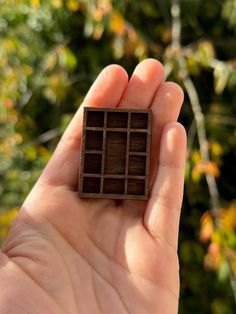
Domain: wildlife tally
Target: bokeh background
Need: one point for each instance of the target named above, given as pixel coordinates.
(50, 53)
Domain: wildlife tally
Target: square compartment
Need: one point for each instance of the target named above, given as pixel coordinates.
(92, 163)
(117, 120)
(139, 120)
(113, 186)
(136, 187)
(91, 185)
(138, 142)
(95, 118)
(115, 152)
(94, 140)
(137, 165)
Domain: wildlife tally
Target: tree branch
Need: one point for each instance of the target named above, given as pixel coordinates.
(196, 108)
(199, 119)
(203, 143)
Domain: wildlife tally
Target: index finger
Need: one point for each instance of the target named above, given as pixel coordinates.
(63, 167)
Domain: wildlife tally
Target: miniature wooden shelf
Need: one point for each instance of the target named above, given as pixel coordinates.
(115, 154)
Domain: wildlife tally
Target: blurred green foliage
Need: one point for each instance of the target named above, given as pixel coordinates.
(50, 53)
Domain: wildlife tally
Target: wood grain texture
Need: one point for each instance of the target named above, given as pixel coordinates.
(115, 153)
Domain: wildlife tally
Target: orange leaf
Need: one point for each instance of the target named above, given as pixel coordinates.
(207, 227)
(213, 169)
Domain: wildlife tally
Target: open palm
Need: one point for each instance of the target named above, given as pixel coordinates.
(70, 255)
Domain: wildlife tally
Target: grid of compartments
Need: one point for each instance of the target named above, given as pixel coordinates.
(115, 153)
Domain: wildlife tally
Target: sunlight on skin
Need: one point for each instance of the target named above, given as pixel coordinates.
(71, 255)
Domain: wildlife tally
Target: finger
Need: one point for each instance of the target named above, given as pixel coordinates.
(143, 84)
(166, 106)
(106, 91)
(141, 89)
(162, 215)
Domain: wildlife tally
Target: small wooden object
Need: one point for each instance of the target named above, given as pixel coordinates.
(115, 155)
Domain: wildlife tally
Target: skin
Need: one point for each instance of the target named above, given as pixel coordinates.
(70, 255)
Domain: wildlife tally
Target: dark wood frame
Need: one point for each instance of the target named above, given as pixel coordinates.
(140, 127)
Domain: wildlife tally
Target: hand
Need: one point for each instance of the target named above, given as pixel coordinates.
(70, 255)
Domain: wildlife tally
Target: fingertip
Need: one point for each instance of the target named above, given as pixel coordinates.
(143, 84)
(173, 145)
(174, 92)
(152, 68)
(152, 62)
(175, 129)
(108, 88)
(115, 70)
